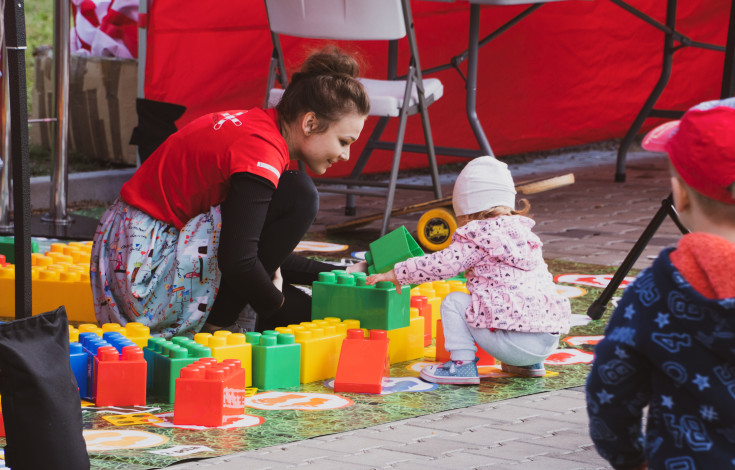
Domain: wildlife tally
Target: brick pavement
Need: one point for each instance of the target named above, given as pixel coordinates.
(592, 221)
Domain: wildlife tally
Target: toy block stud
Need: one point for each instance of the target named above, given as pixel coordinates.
(338, 294)
(207, 393)
(421, 303)
(276, 361)
(363, 362)
(230, 346)
(120, 378)
(390, 249)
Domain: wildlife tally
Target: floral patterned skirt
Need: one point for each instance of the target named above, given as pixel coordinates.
(147, 271)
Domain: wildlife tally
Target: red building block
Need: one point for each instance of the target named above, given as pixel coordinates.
(363, 362)
(120, 378)
(207, 392)
(442, 355)
(2, 423)
(421, 303)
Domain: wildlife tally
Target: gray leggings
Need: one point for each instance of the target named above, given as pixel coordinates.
(511, 347)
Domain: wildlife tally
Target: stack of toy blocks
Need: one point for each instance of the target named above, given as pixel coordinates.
(90, 343)
(169, 357)
(226, 345)
(276, 361)
(363, 362)
(321, 343)
(59, 277)
(421, 304)
(207, 392)
(435, 292)
(120, 377)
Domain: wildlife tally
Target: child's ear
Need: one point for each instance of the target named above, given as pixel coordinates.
(682, 201)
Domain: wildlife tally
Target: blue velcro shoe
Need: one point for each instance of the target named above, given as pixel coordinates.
(452, 372)
(534, 370)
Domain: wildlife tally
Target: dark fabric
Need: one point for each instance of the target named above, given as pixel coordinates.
(156, 122)
(670, 348)
(40, 397)
(253, 247)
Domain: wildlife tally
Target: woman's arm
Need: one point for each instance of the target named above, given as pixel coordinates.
(243, 215)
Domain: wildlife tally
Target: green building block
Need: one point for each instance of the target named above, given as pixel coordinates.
(390, 249)
(345, 296)
(169, 357)
(276, 362)
(7, 248)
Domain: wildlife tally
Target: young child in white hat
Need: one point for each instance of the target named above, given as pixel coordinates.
(513, 310)
(670, 344)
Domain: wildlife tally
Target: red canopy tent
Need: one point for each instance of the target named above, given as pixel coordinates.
(570, 73)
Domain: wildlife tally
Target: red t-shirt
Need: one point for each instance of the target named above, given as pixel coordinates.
(190, 172)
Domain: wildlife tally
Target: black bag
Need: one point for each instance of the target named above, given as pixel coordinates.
(40, 398)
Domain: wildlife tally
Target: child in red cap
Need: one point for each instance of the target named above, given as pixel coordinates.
(670, 344)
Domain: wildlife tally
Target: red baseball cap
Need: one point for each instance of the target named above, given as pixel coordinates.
(701, 147)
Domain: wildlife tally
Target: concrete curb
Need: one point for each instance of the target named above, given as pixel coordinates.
(96, 186)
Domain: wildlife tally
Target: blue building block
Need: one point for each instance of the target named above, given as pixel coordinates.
(79, 361)
(345, 296)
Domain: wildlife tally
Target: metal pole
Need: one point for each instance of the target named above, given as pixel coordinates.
(6, 222)
(60, 178)
(15, 40)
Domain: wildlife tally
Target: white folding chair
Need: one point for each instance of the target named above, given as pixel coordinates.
(363, 20)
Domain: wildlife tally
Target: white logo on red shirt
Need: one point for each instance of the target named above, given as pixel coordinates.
(228, 117)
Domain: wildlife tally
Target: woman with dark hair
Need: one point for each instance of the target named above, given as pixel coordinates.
(206, 227)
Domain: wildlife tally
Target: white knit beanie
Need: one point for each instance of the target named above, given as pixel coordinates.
(483, 184)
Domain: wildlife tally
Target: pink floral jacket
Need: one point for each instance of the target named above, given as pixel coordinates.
(510, 283)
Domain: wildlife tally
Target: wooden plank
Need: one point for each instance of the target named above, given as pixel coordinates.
(524, 187)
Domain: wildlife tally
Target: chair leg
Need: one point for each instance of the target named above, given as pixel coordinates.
(429, 140)
(350, 208)
(396, 161)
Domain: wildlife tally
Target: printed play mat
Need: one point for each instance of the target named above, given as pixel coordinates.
(145, 437)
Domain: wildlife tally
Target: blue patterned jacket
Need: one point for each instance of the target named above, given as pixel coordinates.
(671, 349)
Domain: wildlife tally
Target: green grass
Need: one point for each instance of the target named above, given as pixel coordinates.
(39, 16)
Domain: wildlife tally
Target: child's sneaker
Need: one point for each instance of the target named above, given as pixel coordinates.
(452, 372)
(535, 370)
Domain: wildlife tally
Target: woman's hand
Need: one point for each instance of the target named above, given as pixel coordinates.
(360, 267)
(390, 276)
(278, 279)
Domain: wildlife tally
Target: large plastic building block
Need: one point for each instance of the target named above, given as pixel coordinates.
(434, 301)
(60, 277)
(79, 361)
(442, 355)
(390, 249)
(149, 352)
(363, 362)
(207, 392)
(320, 347)
(120, 376)
(227, 345)
(421, 303)
(407, 343)
(7, 248)
(91, 343)
(169, 357)
(276, 361)
(344, 295)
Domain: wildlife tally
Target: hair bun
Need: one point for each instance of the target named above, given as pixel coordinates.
(330, 61)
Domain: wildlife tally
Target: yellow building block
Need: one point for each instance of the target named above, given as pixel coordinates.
(321, 344)
(138, 333)
(59, 277)
(227, 345)
(73, 334)
(407, 343)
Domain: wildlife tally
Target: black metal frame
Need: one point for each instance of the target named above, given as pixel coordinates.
(598, 306)
(672, 36)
